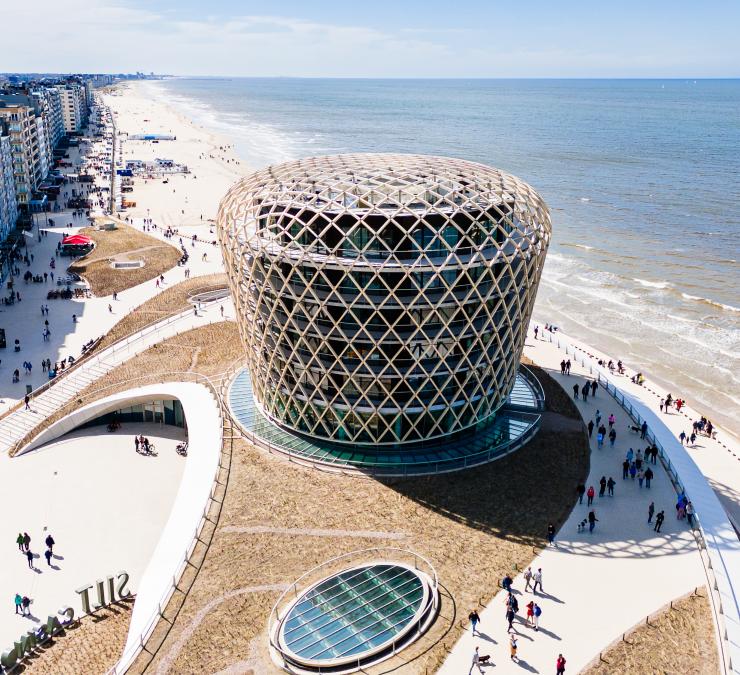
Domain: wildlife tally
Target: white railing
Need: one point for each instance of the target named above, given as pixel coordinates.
(716, 537)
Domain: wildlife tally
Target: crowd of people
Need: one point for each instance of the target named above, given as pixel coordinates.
(23, 540)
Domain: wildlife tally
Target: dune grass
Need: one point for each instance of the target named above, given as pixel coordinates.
(124, 243)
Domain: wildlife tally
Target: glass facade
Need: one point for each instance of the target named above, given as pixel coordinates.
(158, 412)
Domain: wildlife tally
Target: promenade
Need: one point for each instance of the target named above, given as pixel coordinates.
(596, 586)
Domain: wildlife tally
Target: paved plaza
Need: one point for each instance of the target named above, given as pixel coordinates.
(104, 504)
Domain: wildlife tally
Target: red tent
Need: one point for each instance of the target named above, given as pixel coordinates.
(77, 240)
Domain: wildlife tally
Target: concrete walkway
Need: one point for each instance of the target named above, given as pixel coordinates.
(15, 426)
(718, 459)
(596, 586)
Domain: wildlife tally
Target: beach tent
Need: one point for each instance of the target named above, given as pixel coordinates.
(76, 244)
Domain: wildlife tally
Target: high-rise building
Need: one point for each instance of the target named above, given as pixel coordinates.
(8, 201)
(24, 144)
(383, 299)
(74, 106)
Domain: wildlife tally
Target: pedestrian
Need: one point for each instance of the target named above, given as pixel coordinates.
(47, 555)
(510, 615)
(651, 511)
(602, 486)
(26, 540)
(597, 417)
(693, 439)
(530, 613)
(633, 470)
(110, 308)
(575, 391)
(592, 520)
(648, 477)
(610, 486)
(512, 648)
(527, 578)
(536, 330)
(27, 400)
(640, 477)
(506, 583)
(29, 556)
(474, 619)
(476, 662)
(26, 603)
(222, 311)
(18, 604)
(537, 615)
(584, 391)
(537, 580)
(560, 665)
(682, 437)
(567, 367)
(580, 490)
(550, 534)
(590, 494)
(19, 541)
(659, 521)
(630, 455)
(625, 469)
(594, 387)
(612, 436)
(662, 404)
(590, 428)
(600, 439)
(50, 542)
(690, 514)
(612, 420)
(562, 367)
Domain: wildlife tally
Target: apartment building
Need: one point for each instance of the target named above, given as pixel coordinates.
(8, 201)
(74, 106)
(24, 147)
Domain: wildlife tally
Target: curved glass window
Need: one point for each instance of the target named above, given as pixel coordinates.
(354, 614)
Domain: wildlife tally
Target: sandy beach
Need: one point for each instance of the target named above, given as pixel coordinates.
(187, 201)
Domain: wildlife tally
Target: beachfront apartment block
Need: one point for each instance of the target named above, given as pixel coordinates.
(8, 202)
(24, 144)
(74, 99)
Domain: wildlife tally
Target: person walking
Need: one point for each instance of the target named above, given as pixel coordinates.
(512, 648)
(612, 436)
(643, 429)
(26, 604)
(640, 477)
(537, 580)
(506, 583)
(690, 514)
(600, 438)
(584, 391)
(19, 541)
(580, 490)
(590, 495)
(560, 665)
(49, 541)
(47, 555)
(610, 486)
(633, 470)
(18, 604)
(567, 367)
(550, 534)
(27, 400)
(594, 387)
(682, 437)
(651, 511)
(590, 428)
(527, 578)
(612, 420)
(602, 486)
(26, 541)
(662, 404)
(530, 613)
(510, 616)
(562, 367)
(536, 330)
(29, 556)
(537, 615)
(136, 443)
(659, 521)
(576, 388)
(476, 662)
(592, 520)
(625, 469)
(474, 620)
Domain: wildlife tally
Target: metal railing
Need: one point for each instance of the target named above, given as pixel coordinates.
(712, 553)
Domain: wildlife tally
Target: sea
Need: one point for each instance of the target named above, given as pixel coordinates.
(642, 178)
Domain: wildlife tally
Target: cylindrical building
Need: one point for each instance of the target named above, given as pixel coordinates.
(383, 299)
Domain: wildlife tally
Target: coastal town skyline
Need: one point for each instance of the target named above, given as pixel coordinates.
(330, 39)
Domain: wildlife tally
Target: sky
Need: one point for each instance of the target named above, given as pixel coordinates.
(374, 38)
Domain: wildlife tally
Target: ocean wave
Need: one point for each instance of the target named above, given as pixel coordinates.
(652, 284)
(585, 199)
(709, 301)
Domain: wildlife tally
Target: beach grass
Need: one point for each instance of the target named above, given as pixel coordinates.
(123, 243)
(681, 639)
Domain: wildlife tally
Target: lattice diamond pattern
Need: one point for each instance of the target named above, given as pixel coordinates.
(383, 299)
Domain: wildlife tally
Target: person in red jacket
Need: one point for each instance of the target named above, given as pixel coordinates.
(560, 664)
(590, 495)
